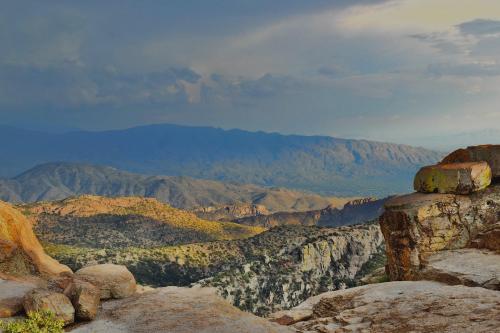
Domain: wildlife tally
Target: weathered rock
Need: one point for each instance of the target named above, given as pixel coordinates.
(59, 304)
(20, 250)
(487, 153)
(85, 298)
(488, 238)
(417, 225)
(470, 267)
(177, 310)
(114, 281)
(12, 295)
(456, 178)
(421, 306)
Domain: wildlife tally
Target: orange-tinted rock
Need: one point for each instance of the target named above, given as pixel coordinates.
(487, 153)
(456, 178)
(20, 250)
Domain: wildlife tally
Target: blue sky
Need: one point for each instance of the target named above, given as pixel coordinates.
(423, 72)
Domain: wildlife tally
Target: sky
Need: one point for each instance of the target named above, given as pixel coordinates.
(422, 72)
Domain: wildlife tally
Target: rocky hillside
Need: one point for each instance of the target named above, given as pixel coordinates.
(273, 270)
(354, 212)
(321, 164)
(57, 181)
(100, 222)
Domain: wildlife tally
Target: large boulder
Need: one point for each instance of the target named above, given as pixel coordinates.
(85, 297)
(20, 251)
(418, 307)
(113, 281)
(59, 304)
(177, 310)
(487, 153)
(457, 178)
(417, 225)
(12, 296)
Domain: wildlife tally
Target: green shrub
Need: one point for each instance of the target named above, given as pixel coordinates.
(37, 322)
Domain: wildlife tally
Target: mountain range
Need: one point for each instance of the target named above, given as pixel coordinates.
(321, 164)
(57, 181)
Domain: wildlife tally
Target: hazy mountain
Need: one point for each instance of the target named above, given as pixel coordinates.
(316, 163)
(55, 181)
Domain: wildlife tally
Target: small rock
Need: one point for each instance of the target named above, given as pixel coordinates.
(59, 304)
(114, 281)
(487, 153)
(11, 297)
(455, 178)
(290, 317)
(85, 298)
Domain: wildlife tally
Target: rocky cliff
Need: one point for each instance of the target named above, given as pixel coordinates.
(446, 234)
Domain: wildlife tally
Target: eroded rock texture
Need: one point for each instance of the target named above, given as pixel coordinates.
(417, 225)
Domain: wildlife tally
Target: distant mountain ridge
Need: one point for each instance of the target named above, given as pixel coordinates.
(316, 163)
(56, 181)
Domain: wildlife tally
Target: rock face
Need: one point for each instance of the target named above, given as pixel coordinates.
(12, 295)
(421, 306)
(20, 250)
(487, 153)
(85, 298)
(417, 225)
(177, 310)
(113, 281)
(457, 178)
(489, 238)
(59, 304)
(469, 267)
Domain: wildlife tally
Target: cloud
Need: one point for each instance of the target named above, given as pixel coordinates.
(480, 27)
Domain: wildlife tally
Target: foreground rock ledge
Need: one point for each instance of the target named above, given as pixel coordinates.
(177, 310)
(421, 306)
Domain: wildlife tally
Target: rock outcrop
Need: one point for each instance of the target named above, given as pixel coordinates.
(456, 178)
(421, 306)
(177, 310)
(85, 298)
(20, 250)
(113, 281)
(417, 225)
(487, 153)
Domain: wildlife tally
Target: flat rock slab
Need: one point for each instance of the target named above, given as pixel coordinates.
(11, 297)
(177, 310)
(405, 306)
(455, 178)
(470, 267)
(487, 153)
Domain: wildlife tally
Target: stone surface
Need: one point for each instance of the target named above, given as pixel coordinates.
(12, 295)
(455, 178)
(177, 310)
(487, 153)
(59, 304)
(488, 238)
(85, 298)
(114, 281)
(417, 225)
(470, 267)
(20, 250)
(421, 306)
